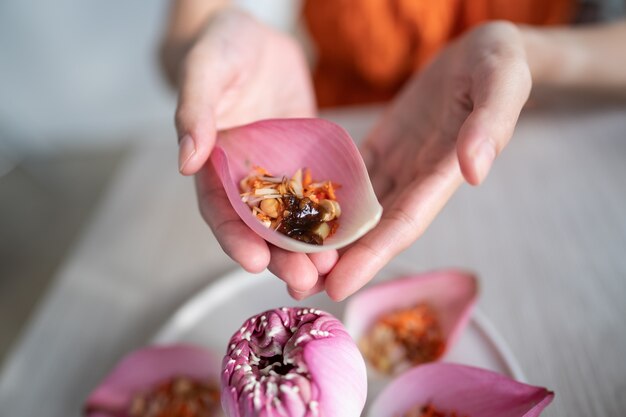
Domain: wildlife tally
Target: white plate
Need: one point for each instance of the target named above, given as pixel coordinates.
(212, 316)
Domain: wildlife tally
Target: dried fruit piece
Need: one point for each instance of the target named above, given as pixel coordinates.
(307, 213)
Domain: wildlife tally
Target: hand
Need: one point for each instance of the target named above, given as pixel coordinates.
(450, 122)
(239, 71)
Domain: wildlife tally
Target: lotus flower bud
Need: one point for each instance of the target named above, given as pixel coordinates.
(293, 362)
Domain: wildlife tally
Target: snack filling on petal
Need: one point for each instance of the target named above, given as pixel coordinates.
(405, 322)
(296, 206)
(403, 338)
(293, 362)
(160, 381)
(291, 148)
(446, 389)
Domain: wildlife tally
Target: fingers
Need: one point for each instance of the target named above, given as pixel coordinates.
(405, 221)
(299, 271)
(324, 261)
(234, 236)
(301, 295)
(296, 269)
(499, 93)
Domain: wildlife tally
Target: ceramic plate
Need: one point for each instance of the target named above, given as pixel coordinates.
(214, 314)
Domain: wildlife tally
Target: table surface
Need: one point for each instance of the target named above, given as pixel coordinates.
(546, 233)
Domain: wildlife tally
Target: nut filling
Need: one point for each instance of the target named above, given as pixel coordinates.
(178, 397)
(428, 411)
(403, 338)
(299, 207)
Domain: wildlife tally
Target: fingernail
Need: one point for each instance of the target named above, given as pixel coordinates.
(483, 159)
(186, 149)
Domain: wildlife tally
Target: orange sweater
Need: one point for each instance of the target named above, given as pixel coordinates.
(368, 48)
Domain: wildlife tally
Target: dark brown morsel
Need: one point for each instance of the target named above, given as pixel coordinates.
(303, 215)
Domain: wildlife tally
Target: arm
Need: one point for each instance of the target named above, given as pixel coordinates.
(454, 118)
(185, 21)
(587, 56)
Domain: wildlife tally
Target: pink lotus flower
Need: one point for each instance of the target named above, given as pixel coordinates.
(464, 390)
(156, 380)
(283, 146)
(293, 362)
(450, 294)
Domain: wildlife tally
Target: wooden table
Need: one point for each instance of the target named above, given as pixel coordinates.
(546, 233)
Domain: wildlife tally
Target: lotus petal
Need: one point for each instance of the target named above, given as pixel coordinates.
(141, 370)
(451, 294)
(293, 362)
(282, 146)
(466, 390)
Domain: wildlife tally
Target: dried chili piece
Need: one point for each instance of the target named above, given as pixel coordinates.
(298, 207)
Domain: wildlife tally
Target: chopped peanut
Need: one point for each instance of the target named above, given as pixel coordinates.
(332, 209)
(271, 207)
(298, 206)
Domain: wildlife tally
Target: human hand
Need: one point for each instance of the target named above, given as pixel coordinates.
(239, 71)
(449, 123)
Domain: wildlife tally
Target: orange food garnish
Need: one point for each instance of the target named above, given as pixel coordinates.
(403, 338)
(298, 206)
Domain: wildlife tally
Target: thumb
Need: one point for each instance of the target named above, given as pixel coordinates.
(201, 86)
(498, 102)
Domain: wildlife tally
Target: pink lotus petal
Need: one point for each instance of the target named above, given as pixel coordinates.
(451, 293)
(282, 146)
(143, 369)
(341, 374)
(466, 390)
(293, 362)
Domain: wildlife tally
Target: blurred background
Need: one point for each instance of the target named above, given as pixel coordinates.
(79, 86)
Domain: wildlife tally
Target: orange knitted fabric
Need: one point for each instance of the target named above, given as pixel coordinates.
(368, 48)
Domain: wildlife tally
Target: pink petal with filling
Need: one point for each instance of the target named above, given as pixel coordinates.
(282, 146)
(143, 369)
(466, 390)
(451, 293)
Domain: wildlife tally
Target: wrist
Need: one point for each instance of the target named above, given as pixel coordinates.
(537, 51)
(555, 57)
(186, 23)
